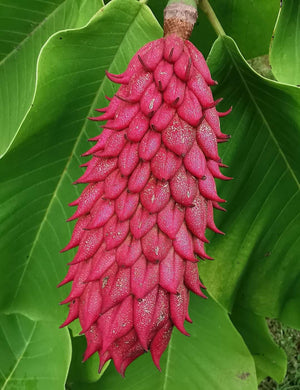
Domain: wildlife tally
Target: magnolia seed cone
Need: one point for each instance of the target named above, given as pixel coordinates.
(149, 198)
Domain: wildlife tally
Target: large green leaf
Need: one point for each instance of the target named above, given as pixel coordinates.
(38, 171)
(285, 50)
(24, 28)
(250, 23)
(257, 262)
(270, 360)
(214, 357)
(34, 354)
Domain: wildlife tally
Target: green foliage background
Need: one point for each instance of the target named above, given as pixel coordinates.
(53, 57)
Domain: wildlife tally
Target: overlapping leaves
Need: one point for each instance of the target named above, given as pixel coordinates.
(24, 28)
(256, 263)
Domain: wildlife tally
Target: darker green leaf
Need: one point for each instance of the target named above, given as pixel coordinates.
(285, 53)
(270, 360)
(257, 262)
(81, 373)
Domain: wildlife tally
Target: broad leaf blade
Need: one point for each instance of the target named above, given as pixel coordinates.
(34, 355)
(250, 23)
(24, 28)
(270, 359)
(257, 262)
(44, 159)
(214, 357)
(37, 173)
(285, 52)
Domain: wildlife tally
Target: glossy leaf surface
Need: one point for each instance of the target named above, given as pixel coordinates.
(24, 28)
(257, 261)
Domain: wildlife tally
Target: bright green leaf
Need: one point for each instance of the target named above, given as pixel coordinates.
(38, 171)
(257, 261)
(24, 28)
(285, 50)
(270, 360)
(33, 354)
(214, 357)
(250, 23)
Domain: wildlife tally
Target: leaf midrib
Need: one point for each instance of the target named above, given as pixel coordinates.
(65, 169)
(265, 122)
(167, 364)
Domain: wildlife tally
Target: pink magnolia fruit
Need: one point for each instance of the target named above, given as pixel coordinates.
(150, 195)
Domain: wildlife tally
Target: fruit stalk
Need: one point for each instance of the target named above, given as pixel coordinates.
(211, 16)
(179, 18)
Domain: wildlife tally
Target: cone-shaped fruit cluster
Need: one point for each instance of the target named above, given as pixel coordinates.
(150, 196)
